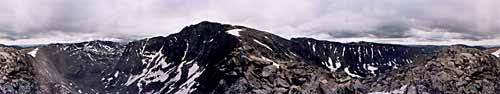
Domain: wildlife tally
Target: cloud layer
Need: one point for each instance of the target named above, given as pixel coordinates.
(389, 21)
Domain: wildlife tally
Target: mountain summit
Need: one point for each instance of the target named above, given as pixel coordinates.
(210, 57)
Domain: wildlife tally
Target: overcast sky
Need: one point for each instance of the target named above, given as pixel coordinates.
(474, 22)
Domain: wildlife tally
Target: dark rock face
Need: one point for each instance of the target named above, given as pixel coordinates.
(175, 63)
(16, 75)
(218, 58)
(358, 59)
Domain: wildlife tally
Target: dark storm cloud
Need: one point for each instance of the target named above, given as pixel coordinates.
(346, 34)
(394, 30)
(45, 21)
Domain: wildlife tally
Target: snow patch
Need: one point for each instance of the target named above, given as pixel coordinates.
(337, 65)
(186, 51)
(330, 63)
(351, 74)
(193, 73)
(372, 69)
(314, 47)
(379, 53)
(343, 51)
(276, 65)
(116, 74)
(257, 41)
(496, 53)
(156, 60)
(331, 66)
(269, 60)
(264, 59)
(109, 79)
(234, 32)
(33, 52)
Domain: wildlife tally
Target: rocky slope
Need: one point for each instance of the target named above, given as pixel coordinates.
(219, 58)
(79, 67)
(455, 69)
(16, 72)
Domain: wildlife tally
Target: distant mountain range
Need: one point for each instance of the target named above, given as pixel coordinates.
(216, 58)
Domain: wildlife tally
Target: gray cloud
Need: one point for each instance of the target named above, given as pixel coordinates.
(46, 21)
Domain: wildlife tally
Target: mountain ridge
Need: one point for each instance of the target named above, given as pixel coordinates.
(210, 57)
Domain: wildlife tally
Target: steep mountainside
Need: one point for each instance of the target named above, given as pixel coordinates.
(219, 58)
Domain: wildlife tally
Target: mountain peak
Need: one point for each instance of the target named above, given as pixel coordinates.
(206, 26)
(208, 22)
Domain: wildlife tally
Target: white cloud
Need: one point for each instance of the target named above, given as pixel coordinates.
(46, 21)
(434, 34)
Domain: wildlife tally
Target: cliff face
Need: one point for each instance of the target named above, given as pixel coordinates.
(219, 58)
